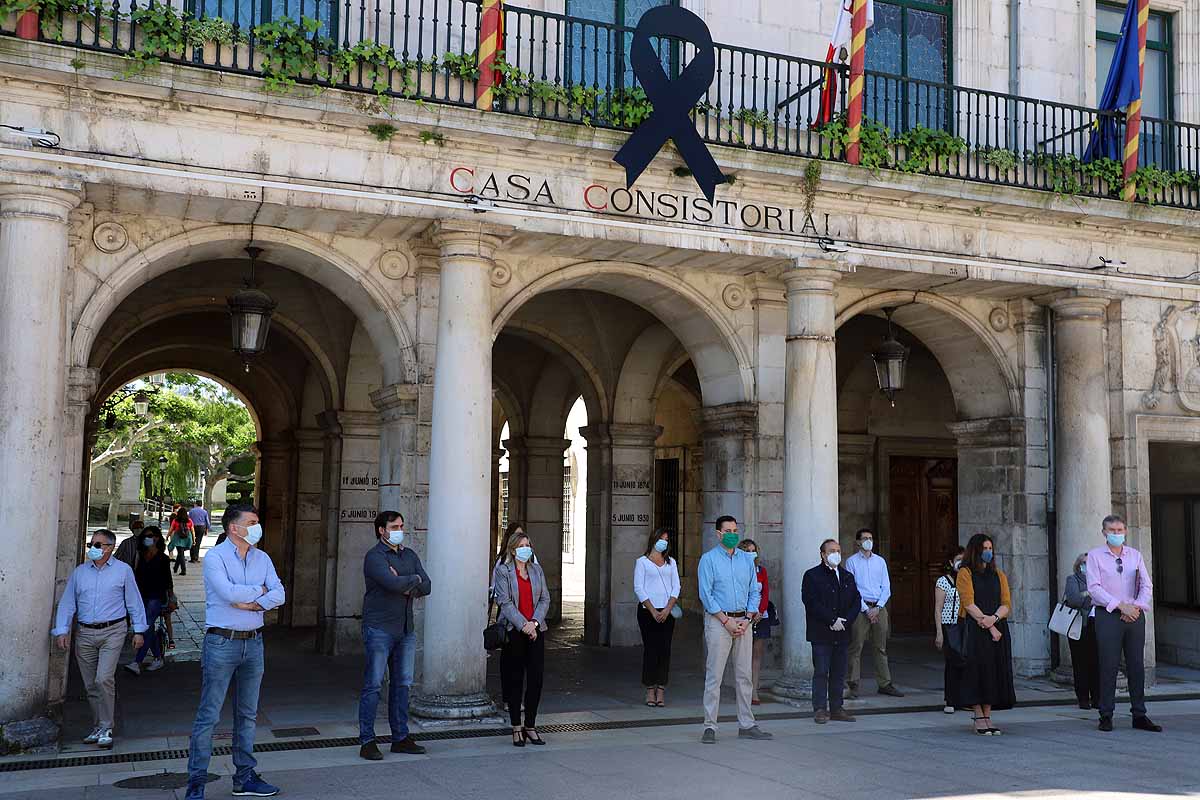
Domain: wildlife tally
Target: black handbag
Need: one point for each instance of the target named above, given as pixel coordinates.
(495, 635)
(955, 644)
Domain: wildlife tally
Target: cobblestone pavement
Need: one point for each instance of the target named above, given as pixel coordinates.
(1045, 753)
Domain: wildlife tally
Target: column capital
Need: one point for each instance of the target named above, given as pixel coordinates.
(466, 239)
(989, 432)
(731, 418)
(349, 423)
(538, 445)
(279, 446)
(815, 274)
(395, 400)
(38, 197)
(621, 434)
(82, 383)
(1078, 305)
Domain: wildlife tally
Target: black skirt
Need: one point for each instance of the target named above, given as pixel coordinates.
(987, 677)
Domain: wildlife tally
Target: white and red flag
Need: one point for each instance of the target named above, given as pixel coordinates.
(840, 39)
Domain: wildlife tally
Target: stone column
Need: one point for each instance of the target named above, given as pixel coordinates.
(1083, 461)
(455, 665)
(358, 503)
(33, 347)
(277, 509)
(331, 501)
(598, 552)
(518, 466)
(305, 597)
(543, 508)
(728, 433)
(810, 472)
(72, 508)
(630, 520)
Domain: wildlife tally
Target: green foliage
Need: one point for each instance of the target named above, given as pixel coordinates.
(752, 118)
(626, 108)
(366, 58)
(812, 182)
(928, 147)
(1153, 182)
(290, 51)
(1004, 161)
(463, 66)
(875, 142)
(432, 137)
(382, 131)
(78, 63)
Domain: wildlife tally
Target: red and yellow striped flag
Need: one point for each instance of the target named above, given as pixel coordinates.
(854, 96)
(491, 42)
(1133, 115)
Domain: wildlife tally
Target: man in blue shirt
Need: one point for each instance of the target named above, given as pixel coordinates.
(100, 593)
(240, 583)
(200, 521)
(729, 592)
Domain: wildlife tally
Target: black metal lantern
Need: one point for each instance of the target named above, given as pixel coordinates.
(250, 311)
(141, 404)
(162, 465)
(890, 359)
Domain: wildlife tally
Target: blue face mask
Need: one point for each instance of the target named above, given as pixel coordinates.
(661, 545)
(524, 553)
(1115, 539)
(395, 538)
(986, 555)
(253, 534)
(95, 553)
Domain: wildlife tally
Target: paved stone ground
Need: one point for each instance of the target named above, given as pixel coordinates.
(1045, 753)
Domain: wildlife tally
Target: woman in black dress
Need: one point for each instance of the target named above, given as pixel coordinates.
(986, 682)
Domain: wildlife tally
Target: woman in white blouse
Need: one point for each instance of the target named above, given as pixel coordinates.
(945, 611)
(656, 584)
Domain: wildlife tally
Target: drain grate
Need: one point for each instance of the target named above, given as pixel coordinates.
(481, 733)
(161, 780)
(284, 733)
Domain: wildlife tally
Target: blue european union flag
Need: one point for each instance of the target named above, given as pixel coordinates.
(1122, 88)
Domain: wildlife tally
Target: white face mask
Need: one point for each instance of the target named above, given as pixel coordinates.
(833, 559)
(253, 534)
(868, 544)
(957, 563)
(395, 538)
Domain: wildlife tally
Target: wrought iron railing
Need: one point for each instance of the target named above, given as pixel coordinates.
(574, 70)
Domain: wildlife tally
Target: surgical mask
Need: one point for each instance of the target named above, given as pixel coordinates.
(1083, 569)
(148, 541)
(868, 544)
(833, 559)
(661, 545)
(1115, 539)
(95, 553)
(754, 555)
(987, 556)
(524, 553)
(395, 538)
(253, 534)
(729, 540)
(957, 563)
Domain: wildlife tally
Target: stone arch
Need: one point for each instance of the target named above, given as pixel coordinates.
(353, 285)
(131, 372)
(721, 358)
(983, 380)
(641, 375)
(511, 407)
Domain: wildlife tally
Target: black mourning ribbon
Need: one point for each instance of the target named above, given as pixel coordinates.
(673, 99)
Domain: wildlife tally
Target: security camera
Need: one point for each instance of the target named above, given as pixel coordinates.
(833, 246)
(478, 204)
(36, 136)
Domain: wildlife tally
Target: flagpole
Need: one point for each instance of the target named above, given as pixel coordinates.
(1133, 115)
(858, 52)
(489, 44)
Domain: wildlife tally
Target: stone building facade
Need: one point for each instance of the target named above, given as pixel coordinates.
(475, 269)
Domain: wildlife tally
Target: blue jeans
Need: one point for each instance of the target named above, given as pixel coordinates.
(385, 651)
(829, 675)
(154, 607)
(224, 662)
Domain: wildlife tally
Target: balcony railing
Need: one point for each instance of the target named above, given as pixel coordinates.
(575, 70)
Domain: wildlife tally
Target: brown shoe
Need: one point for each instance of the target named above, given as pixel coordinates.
(841, 715)
(891, 691)
(370, 751)
(852, 691)
(407, 745)
(821, 716)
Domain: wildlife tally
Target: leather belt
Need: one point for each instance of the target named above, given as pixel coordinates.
(95, 626)
(228, 634)
(734, 613)
(871, 604)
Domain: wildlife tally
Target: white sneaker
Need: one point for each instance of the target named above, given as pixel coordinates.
(92, 737)
(948, 710)
(134, 667)
(105, 738)
(155, 665)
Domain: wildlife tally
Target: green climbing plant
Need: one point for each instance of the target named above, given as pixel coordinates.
(290, 52)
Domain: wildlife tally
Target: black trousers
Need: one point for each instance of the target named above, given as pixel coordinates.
(829, 674)
(200, 533)
(181, 554)
(1085, 664)
(656, 647)
(522, 664)
(1114, 638)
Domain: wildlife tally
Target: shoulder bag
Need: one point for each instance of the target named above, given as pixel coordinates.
(955, 644)
(495, 635)
(1066, 621)
(676, 610)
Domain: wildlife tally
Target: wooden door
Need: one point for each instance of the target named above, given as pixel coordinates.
(923, 524)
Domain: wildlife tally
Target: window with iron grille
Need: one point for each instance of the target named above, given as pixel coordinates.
(598, 55)
(912, 39)
(568, 539)
(1159, 89)
(503, 502)
(667, 494)
(1175, 526)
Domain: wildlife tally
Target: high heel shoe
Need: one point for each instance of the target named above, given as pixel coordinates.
(532, 737)
(991, 730)
(985, 731)
(518, 737)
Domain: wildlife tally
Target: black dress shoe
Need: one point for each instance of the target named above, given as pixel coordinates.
(370, 751)
(407, 745)
(1144, 724)
(891, 691)
(1106, 723)
(1085, 705)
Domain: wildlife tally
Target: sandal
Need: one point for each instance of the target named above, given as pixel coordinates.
(518, 737)
(660, 701)
(991, 730)
(532, 737)
(650, 700)
(984, 731)
(170, 644)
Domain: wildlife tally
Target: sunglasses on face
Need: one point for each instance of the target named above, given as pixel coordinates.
(100, 544)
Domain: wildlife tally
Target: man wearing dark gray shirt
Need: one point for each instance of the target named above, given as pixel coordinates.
(394, 579)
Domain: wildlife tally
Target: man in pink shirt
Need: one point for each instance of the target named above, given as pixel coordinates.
(1121, 591)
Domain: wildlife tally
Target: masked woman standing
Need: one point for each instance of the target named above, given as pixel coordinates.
(986, 681)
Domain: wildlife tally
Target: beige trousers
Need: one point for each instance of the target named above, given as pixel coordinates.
(860, 633)
(97, 653)
(718, 645)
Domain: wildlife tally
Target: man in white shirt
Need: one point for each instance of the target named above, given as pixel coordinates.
(875, 587)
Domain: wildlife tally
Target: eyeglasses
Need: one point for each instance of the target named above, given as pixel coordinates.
(1120, 567)
(99, 544)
